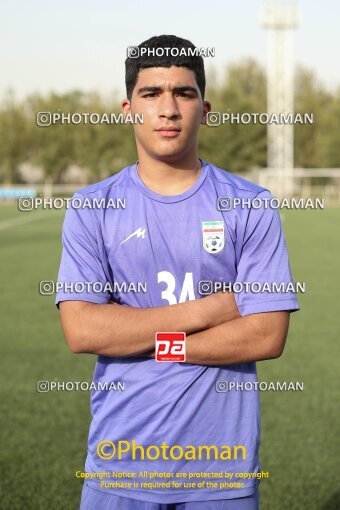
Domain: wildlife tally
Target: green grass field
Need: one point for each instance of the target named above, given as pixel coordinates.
(44, 434)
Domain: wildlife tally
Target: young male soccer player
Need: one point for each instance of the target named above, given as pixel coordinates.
(171, 235)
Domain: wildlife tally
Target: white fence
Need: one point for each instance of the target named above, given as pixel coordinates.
(298, 182)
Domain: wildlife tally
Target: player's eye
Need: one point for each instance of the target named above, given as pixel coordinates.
(186, 95)
(151, 94)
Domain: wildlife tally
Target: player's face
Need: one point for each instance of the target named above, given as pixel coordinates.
(172, 108)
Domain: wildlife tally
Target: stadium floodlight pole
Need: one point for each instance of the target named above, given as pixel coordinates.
(280, 19)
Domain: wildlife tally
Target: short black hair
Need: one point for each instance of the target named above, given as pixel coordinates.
(134, 63)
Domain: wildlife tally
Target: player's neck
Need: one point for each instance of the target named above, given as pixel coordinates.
(169, 178)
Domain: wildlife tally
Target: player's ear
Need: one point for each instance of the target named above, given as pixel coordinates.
(126, 106)
(206, 110)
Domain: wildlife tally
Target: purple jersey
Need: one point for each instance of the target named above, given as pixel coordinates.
(154, 250)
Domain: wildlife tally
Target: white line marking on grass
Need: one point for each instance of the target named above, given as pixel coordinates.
(13, 222)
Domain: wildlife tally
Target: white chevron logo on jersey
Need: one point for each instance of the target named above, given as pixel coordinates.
(138, 233)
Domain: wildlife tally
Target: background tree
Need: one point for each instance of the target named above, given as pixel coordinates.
(103, 149)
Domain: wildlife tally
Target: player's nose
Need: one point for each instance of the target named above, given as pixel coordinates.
(168, 107)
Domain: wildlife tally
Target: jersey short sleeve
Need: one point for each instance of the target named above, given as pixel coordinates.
(81, 274)
(263, 271)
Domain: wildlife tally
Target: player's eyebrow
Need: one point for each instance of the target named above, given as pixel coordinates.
(181, 88)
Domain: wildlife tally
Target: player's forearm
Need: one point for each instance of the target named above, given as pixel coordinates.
(251, 338)
(115, 330)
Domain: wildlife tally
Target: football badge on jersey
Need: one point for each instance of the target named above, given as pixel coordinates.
(213, 236)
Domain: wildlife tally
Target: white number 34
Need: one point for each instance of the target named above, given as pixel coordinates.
(187, 291)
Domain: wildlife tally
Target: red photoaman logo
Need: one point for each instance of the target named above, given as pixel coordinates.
(170, 346)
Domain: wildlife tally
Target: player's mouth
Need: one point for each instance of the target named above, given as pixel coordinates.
(168, 131)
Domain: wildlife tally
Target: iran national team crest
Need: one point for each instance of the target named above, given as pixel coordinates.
(213, 236)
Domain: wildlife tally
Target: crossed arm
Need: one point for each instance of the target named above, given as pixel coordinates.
(216, 333)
